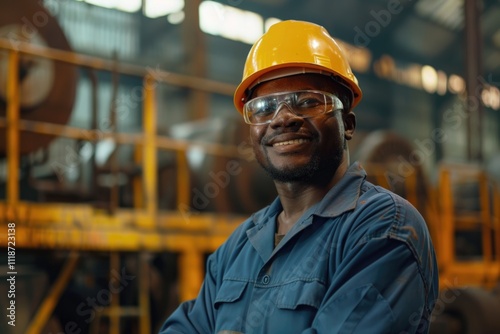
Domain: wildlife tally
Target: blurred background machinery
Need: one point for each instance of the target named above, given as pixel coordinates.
(123, 163)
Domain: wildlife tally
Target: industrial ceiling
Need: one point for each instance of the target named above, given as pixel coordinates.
(412, 58)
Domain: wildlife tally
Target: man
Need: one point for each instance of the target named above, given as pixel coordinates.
(333, 253)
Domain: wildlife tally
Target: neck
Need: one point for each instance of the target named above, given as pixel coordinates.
(297, 197)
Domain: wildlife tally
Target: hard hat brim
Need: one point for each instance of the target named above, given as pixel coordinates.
(240, 95)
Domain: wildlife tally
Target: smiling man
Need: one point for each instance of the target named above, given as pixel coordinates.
(333, 253)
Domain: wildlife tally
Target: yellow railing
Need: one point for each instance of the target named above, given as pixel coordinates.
(439, 208)
(84, 227)
(484, 268)
(146, 214)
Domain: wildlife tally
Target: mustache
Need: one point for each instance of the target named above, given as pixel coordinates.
(269, 137)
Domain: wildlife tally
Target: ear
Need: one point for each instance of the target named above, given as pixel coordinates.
(349, 124)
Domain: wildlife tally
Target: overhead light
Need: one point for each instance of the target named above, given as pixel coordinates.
(429, 79)
(491, 97)
(359, 58)
(230, 22)
(176, 18)
(456, 84)
(158, 8)
(442, 84)
(129, 6)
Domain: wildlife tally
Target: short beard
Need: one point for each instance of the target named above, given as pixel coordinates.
(316, 171)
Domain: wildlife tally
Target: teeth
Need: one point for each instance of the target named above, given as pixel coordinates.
(290, 142)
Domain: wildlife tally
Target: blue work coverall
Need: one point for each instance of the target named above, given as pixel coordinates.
(359, 261)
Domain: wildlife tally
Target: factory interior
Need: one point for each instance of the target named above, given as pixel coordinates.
(119, 141)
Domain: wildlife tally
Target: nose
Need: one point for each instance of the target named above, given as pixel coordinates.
(285, 117)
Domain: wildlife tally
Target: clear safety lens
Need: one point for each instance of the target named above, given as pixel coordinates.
(304, 103)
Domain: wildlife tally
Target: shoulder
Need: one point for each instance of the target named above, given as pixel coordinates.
(382, 214)
(385, 214)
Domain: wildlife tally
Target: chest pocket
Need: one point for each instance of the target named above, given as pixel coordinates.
(229, 292)
(229, 308)
(301, 293)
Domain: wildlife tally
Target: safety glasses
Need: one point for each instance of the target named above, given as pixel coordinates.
(302, 103)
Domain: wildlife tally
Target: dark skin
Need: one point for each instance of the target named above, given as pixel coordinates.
(305, 157)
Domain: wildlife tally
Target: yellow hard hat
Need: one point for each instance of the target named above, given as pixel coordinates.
(292, 47)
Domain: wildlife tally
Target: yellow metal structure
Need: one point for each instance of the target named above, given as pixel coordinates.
(49, 304)
(483, 270)
(82, 227)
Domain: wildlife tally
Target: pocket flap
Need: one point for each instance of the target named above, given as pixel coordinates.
(230, 291)
(299, 293)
